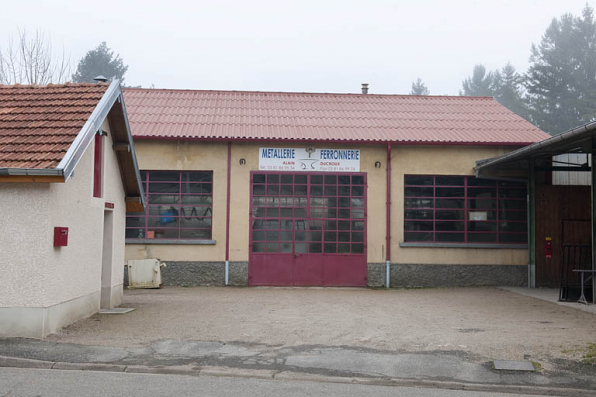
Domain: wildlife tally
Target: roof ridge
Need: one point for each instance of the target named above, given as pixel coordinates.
(52, 85)
(188, 90)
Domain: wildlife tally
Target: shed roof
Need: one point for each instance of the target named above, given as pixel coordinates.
(44, 131)
(39, 123)
(247, 115)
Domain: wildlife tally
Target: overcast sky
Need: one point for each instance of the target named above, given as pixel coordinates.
(283, 45)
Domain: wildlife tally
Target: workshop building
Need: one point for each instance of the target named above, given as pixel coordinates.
(314, 189)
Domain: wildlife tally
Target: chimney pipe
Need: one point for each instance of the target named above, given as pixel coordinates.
(364, 88)
(100, 79)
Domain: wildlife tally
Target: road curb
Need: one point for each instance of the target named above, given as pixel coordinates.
(15, 362)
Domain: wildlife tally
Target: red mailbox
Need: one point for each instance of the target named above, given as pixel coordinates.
(60, 236)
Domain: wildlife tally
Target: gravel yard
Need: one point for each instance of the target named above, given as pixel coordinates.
(486, 322)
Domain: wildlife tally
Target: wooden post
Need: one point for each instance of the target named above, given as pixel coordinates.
(532, 224)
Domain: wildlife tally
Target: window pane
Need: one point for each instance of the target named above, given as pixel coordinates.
(357, 248)
(272, 247)
(450, 214)
(196, 188)
(513, 226)
(300, 179)
(482, 226)
(273, 189)
(316, 190)
(258, 178)
(300, 212)
(287, 190)
(301, 248)
(330, 190)
(300, 190)
(330, 213)
(422, 237)
(195, 233)
(285, 248)
(163, 221)
(164, 188)
(331, 225)
(258, 189)
(168, 176)
(258, 247)
(204, 199)
(271, 235)
(286, 213)
(357, 237)
(418, 192)
(258, 235)
(472, 181)
(357, 180)
(449, 192)
(417, 225)
(449, 237)
(315, 236)
(479, 205)
(513, 204)
(419, 203)
(357, 225)
(300, 235)
(512, 193)
(286, 235)
(330, 236)
(345, 237)
(482, 192)
(316, 179)
(482, 237)
(135, 233)
(287, 178)
(315, 248)
(419, 214)
(135, 221)
(357, 190)
(447, 226)
(343, 190)
(343, 225)
(330, 179)
(272, 178)
(343, 248)
(513, 215)
(196, 176)
(330, 248)
(450, 203)
(418, 180)
(449, 180)
(163, 233)
(343, 179)
(195, 223)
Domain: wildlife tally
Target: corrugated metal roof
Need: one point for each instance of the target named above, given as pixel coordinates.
(241, 115)
(39, 123)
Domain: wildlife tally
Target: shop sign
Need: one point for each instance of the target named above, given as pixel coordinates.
(309, 159)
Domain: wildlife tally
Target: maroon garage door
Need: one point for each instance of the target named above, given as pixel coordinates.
(308, 229)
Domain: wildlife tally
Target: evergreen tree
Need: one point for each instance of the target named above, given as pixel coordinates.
(561, 79)
(480, 84)
(419, 88)
(508, 90)
(100, 61)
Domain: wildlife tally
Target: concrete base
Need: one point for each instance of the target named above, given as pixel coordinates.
(192, 274)
(447, 275)
(38, 322)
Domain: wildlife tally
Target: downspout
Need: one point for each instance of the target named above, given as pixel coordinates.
(388, 233)
(227, 276)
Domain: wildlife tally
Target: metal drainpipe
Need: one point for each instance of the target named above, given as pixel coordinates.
(388, 233)
(228, 213)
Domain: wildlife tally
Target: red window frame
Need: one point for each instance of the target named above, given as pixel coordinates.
(505, 200)
(98, 165)
(189, 205)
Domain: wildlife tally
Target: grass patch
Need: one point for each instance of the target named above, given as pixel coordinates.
(537, 365)
(590, 355)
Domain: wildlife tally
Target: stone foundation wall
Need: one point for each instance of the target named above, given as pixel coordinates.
(448, 275)
(190, 274)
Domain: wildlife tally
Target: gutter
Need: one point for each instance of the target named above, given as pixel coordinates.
(388, 214)
(31, 172)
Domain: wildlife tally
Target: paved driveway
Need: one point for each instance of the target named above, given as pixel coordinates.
(483, 322)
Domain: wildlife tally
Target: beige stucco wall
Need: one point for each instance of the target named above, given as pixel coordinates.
(34, 273)
(406, 159)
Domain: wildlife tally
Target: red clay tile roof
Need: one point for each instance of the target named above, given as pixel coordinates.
(187, 114)
(39, 123)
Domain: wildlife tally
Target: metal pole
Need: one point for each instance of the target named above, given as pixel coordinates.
(228, 214)
(532, 224)
(593, 212)
(388, 233)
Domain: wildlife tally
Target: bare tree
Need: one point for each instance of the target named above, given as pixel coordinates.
(30, 60)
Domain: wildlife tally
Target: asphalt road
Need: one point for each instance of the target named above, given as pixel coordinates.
(17, 382)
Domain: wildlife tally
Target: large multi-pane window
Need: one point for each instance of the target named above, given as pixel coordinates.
(179, 206)
(464, 209)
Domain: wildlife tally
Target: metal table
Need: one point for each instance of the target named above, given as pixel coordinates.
(582, 298)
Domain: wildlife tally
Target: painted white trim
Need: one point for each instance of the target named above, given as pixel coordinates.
(92, 125)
